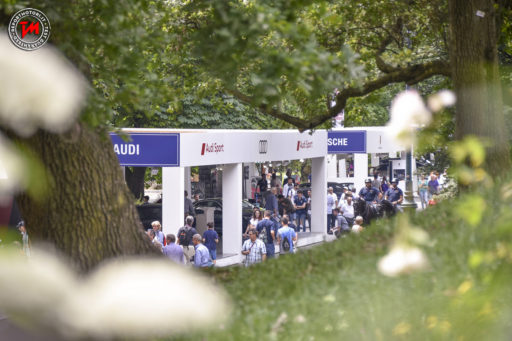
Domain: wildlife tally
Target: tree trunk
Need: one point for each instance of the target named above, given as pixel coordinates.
(134, 177)
(475, 76)
(88, 213)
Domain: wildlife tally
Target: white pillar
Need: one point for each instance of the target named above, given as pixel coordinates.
(360, 170)
(332, 165)
(188, 184)
(319, 195)
(173, 202)
(232, 208)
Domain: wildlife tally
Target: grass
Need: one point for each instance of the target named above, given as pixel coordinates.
(334, 291)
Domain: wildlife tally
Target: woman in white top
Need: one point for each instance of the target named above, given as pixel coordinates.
(256, 218)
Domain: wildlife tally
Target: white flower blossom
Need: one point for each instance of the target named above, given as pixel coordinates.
(441, 99)
(38, 89)
(402, 260)
(408, 111)
(129, 298)
(12, 168)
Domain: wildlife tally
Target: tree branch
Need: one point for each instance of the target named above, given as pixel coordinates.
(410, 75)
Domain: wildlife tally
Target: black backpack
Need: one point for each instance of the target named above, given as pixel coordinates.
(285, 245)
(183, 237)
(263, 235)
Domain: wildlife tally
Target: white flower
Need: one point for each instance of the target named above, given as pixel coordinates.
(12, 168)
(402, 260)
(441, 99)
(133, 299)
(38, 89)
(408, 111)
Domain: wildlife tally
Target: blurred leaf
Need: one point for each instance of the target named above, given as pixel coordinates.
(471, 209)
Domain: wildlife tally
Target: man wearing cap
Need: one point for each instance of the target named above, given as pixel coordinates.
(368, 193)
(395, 195)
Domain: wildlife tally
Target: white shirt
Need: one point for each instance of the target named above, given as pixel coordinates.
(348, 210)
(254, 222)
(288, 191)
(331, 202)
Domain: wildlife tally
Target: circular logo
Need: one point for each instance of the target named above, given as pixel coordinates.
(29, 29)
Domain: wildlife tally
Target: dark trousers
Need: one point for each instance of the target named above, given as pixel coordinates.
(350, 221)
(271, 251)
(330, 222)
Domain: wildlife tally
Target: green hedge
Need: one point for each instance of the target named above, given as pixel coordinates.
(335, 292)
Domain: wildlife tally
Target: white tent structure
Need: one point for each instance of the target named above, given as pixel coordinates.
(177, 150)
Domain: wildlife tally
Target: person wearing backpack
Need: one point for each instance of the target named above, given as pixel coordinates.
(266, 232)
(185, 235)
(286, 236)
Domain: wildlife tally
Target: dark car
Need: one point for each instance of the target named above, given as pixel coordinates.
(148, 213)
(247, 209)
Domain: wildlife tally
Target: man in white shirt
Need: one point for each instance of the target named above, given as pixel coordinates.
(332, 202)
(347, 208)
(288, 190)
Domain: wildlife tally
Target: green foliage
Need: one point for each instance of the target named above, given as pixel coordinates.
(334, 291)
(274, 42)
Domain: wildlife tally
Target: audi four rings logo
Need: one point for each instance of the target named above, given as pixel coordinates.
(263, 146)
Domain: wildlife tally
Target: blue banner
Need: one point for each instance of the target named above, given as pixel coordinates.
(147, 149)
(346, 142)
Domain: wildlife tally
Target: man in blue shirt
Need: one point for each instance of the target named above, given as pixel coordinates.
(395, 195)
(210, 240)
(270, 233)
(271, 202)
(202, 256)
(300, 210)
(173, 251)
(288, 234)
(368, 193)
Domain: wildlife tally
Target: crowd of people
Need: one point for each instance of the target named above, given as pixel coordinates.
(288, 211)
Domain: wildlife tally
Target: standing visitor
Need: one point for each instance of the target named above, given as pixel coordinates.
(173, 251)
(308, 208)
(271, 202)
(275, 182)
(255, 219)
(189, 208)
(157, 227)
(433, 186)
(423, 191)
(254, 249)
(288, 189)
(384, 186)
(285, 238)
(376, 182)
(24, 238)
(202, 257)
(185, 235)
(300, 211)
(347, 208)
(267, 233)
(263, 187)
(332, 202)
(210, 240)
